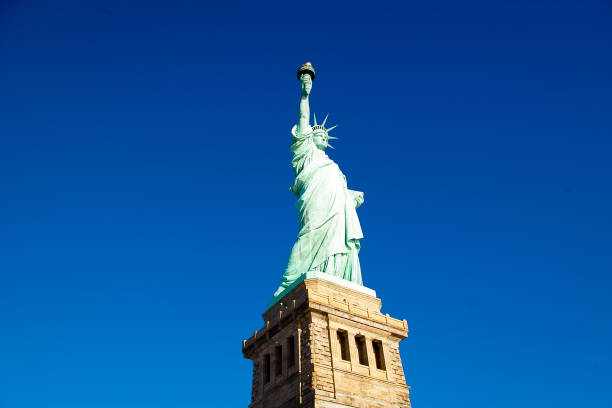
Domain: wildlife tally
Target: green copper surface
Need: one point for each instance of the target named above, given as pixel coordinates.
(328, 240)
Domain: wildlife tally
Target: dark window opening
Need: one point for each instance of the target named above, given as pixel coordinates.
(266, 368)
(290, 352)
(361, 350)
(344, 347)
(278, 356)
(378, 354)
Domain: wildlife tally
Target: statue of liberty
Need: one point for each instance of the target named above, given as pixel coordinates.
(328, 240)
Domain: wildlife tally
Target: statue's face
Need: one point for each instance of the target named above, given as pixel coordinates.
(320, 139)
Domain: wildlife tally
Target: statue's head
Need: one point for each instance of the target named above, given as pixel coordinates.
(320, 138)
(320, 135)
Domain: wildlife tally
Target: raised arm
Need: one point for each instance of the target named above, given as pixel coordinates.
(304, 121)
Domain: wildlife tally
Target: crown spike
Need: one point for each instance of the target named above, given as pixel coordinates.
(315, 118)
(328, 145)
(324, 120)
(331, 128)
(331, 137)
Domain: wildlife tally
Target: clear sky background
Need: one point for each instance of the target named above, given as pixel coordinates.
(145, 216)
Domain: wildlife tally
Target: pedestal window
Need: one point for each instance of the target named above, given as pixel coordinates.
(379, 356)
(362, 351)
(344, 346)
(278, 361)
(290, 352)
(266, 368)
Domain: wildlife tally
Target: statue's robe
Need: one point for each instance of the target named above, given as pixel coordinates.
(329, 235)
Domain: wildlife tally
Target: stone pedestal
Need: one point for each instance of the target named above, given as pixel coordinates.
(327, 346)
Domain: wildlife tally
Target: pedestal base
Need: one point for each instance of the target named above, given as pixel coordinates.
(327, 345)
(325, 276)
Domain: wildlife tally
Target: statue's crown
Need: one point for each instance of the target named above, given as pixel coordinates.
(322, 127)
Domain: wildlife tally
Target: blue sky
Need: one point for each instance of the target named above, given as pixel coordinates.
(145, 216)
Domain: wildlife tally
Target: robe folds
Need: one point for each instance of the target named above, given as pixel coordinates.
(328, 240)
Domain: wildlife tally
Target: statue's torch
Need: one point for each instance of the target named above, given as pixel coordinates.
(306, 68)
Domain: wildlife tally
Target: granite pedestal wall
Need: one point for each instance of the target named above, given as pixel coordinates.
(324, 345)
